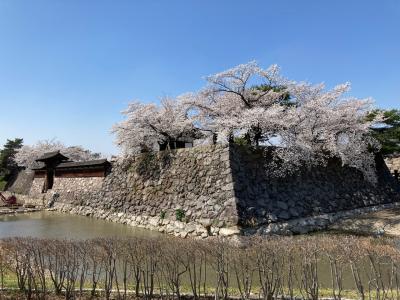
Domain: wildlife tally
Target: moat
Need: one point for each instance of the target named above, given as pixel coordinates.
(45, 224)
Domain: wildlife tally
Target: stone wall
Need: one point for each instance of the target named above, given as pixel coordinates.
(151, 189)
(214, 190)
(22, 183)
(262, 200)
(393, 162)
(68, 190)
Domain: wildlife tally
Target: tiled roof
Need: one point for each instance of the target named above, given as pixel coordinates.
(77, 164)
(49, 155)
(88, 163)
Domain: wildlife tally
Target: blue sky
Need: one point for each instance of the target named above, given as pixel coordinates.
(67, 68)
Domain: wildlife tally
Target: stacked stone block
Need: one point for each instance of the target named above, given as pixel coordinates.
(215, 190)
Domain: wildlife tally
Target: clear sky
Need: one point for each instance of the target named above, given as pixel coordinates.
(68, 67)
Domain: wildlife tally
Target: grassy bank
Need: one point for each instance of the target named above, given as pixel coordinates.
(16, 294)
(11, 290)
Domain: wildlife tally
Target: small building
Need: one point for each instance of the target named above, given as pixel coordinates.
(179, 143)
(58, 165)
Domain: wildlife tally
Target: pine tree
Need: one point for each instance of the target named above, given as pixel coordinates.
(7, 157)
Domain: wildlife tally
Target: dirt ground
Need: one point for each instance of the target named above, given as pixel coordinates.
(384, 222)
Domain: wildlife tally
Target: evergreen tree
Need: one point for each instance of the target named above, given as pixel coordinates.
(8, 166)
(389, 133)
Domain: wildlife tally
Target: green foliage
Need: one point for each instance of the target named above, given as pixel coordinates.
(7, 157)
(162, 215)
(179, 214)
(388, 134)
(285, 99)
(3, 183)
(240, 141)
(254, 135)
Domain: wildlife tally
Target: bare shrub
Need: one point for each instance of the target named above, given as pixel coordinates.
(310, 256)
(356, 256)
(108, 255)
(270, 267)
(95, 269)
(291, 255)
(380, 276)
(136, 255)
(336, 250)
(56, 263)
(150, 266)
(84, 254)
(197, 257)
(123, 255)
(394, 255)
(19, 261)
(3, 263)
(244, 266)
(219, 259)
(174, 264)
(37, 249)
(72, 267)
(160, 268)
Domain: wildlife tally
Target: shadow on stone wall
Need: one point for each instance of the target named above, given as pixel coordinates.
(262, 200)
(21, 183)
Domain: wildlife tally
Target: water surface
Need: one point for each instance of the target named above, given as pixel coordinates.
(47, 224)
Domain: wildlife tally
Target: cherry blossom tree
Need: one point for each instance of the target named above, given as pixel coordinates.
(245, 100)
(27, 155)
(307, 124)
(325, 124)
(148, 125)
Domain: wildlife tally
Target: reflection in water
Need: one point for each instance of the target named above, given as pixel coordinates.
(58, 225)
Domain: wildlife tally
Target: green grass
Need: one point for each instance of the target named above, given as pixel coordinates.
(10, 282)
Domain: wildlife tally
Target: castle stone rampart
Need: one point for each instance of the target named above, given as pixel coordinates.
(214, 190)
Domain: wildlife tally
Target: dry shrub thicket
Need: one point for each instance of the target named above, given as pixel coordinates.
(167, 268)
